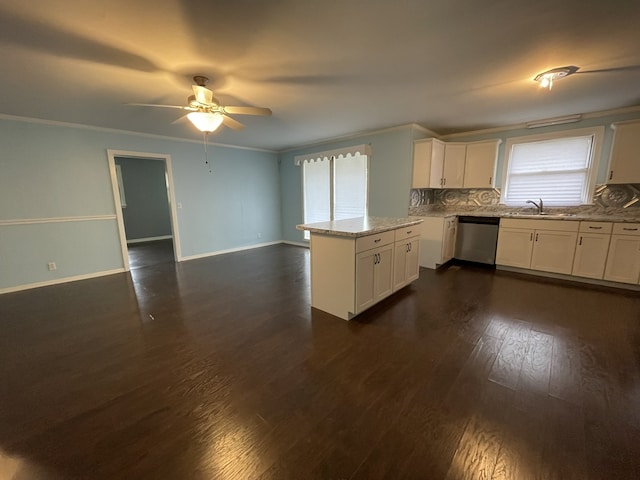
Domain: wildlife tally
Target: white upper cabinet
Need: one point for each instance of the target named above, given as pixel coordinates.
(480, 164)
(454, 161)
(428, 160)
(624, 166)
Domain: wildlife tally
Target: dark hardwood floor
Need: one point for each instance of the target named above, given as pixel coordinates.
(217, 368)
(145, 254)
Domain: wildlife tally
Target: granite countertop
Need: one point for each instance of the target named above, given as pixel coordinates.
(570, 217)
(359, 227)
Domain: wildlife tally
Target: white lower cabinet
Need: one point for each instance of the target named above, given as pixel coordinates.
(374, 276)
(437, 240)
(545, 245)
(592, 249)
(623, 261)
(349, 275)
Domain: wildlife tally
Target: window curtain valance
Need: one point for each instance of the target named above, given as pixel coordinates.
(363, 149)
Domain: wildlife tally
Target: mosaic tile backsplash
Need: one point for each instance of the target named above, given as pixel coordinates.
(607, 199)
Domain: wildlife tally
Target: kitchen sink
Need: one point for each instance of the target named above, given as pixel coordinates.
(543, 214)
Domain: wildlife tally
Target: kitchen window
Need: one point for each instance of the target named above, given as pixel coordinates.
(334, 184)
(560, 168)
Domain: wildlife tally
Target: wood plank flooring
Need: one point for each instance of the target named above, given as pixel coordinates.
(217, 368)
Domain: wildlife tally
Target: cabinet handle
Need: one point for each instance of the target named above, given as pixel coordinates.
(490, 180)
(409, 232)
(536, 237)
(379, 258)
(580, 242)
(376, 241)
(629, 229)
(444, 181)
(611, 175)
(531, 238)
(595, 228)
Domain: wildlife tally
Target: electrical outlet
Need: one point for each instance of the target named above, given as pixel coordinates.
(51, 266)
(259, 234)
(179, 205)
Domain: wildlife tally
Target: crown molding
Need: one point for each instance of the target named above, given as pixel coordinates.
(80, 126)
(523, 126)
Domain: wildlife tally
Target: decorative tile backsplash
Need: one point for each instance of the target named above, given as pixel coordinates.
(607, 199)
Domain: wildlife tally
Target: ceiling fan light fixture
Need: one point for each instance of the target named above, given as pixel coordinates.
(547, 78)
(205, 121)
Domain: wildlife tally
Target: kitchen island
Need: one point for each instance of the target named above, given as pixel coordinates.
(357, 262)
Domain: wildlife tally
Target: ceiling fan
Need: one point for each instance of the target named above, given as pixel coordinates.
(206, 112)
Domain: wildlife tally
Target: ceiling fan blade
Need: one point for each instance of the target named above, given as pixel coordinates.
(180, 119)
(203, 94)
(231, 123)
(155, 105)
(248, 110)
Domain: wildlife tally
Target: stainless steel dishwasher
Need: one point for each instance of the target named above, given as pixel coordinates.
(477, 239)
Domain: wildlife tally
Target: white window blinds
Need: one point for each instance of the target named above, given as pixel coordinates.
(555, 170)
(334, 185)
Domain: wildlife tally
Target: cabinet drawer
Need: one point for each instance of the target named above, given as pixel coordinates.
(407, 232)
(374, 241)
(595, 227)
(626, 228)
(535, 224)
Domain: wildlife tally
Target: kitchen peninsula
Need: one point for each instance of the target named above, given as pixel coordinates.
(357, 262)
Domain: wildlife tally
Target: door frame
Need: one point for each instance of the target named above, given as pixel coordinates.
(111, 156)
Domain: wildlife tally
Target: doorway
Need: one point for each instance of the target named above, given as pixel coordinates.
(145, 204)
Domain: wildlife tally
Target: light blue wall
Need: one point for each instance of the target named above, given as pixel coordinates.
(49, 171)
(146, 214)
(389, 177)
(589, 122)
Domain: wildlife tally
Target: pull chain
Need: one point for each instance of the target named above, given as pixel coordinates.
(206, 156)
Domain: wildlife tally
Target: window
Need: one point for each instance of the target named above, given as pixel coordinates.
(334, 185)
(560, 168)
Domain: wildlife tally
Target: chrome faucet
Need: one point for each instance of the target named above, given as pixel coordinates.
(539, 206)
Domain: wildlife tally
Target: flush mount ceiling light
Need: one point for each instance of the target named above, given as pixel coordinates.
(547, 78)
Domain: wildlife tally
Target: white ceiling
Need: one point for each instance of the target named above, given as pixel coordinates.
(325, 68)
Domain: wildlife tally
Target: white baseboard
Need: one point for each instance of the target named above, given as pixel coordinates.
(297, 244)
(149, 239)
(58, 281)
(572, 278)
(230, 250)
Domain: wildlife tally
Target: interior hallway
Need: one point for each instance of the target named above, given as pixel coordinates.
(216, 368)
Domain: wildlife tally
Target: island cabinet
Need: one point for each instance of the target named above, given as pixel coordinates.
(592, 249)
(545, 245)
(624, 165)
(623, 261)
(356, 263)
(406, 267)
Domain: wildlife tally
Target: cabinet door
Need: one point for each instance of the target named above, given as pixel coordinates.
(591, 255)
(624, 166)
(480, 163)
(514, 247)
(454, 159)
(400, 258)
(406, 266)
(365, 269)
(449, 239)
(553, 251)
(623, 261)
(421, 163)
(383, 272)
(437, 164)
(413, 260)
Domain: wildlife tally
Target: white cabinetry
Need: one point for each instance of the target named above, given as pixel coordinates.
(428, 155)
(437, 240)
(545, 245)
(480, 164)
(592, 249)
(349, 275)
(454, 161)
(623, 261)
(624, 166)
(406, 259)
